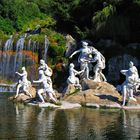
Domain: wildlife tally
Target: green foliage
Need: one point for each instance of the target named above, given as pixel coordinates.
(35, 23)
(102, 16)
(3, 38)
(6, 25)
(57, 46)
(19, 12)
(108, 24)
(83, 19)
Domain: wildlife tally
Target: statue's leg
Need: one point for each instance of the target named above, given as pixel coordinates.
(96, 71)
(84, 66)
(131, 95)
(103, 76)
(17, 91)
(87, 72)
(26, 91)
(40, 91)
(124, 95)
(51, 97)
(78, 84)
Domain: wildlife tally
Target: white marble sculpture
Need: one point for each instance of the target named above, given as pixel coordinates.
(23, 82)
(46, 69)
(100, 65)
(43, 66)
(130, 85)
(84, 58)
(47, 87)
(72, 79)
(89, 54)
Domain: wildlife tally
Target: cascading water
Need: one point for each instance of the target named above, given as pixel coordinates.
(46, 47)
(18, 57)
(5, 57)
(9, 44)
(12, 58)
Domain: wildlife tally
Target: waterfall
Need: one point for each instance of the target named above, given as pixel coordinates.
(11, 60)
(5, 57)
(18, 56)
(8, 44)
(46, 47)
(29, 44)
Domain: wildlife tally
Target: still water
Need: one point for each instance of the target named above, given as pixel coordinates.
(19, 122)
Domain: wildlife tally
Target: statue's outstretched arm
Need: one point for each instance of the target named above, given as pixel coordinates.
(74, 53)
(38, 81)
(20, 74)
(78, 72)
(124, 72)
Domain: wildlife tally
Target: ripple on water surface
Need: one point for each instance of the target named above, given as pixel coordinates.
(18, 121)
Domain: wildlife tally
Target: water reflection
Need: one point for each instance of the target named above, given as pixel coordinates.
(18, 121)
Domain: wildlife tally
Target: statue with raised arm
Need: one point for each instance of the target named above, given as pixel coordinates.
(47, 87)
(72, 79)
(84, 58)
(129, 85)
(23, 82)
(100, 65)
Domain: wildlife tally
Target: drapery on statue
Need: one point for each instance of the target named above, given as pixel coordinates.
(130, 85)
(84, 58)
(46, 88)
(100, 65)
(72, 79)
(23, 82)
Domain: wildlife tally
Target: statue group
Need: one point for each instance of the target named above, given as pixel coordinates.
(88, 55)
(45, 82)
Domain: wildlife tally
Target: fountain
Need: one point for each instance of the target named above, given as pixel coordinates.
(46, 47)
(11, 59)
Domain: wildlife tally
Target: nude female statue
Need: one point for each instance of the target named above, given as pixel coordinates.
(72, 79)
(23, 82)
(47, 87)
(84, 58)
(128, 85)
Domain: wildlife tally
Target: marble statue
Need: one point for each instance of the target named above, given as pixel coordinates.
(129, 86)
(89, 54)
(46, 69)
(23, 82)
(43, 66)
(72, 79)
(84, 58)
(100, 65)
(47, 87)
